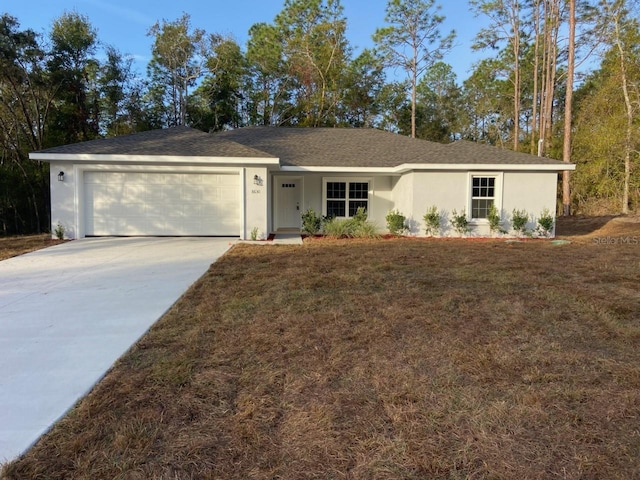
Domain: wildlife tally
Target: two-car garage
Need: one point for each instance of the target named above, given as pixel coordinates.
(155, 203)
(170, 182)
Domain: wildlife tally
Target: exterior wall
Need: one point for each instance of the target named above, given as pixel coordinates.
(380, 190)
(63, 207)
(256, 211)
(415, 192)
(530, 191)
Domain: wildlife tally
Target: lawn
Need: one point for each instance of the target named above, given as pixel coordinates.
(18, 245)
(387, 359)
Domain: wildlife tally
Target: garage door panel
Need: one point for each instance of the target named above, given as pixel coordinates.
(142, 203)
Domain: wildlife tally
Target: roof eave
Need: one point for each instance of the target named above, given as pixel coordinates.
(324, 169)
(151, 159)
(407, 167)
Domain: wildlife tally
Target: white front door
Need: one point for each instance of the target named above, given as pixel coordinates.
(289, 202)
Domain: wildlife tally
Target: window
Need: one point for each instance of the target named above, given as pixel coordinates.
(344, 198)
(483, 196)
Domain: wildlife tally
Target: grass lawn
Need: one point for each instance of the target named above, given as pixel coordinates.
(388, 359)
(17, 245)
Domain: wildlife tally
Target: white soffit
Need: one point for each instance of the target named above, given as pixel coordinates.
(151, 159)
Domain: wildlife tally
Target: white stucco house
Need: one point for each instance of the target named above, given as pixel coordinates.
(181, 181)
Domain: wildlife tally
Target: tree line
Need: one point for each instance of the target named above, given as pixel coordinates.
(300, 70)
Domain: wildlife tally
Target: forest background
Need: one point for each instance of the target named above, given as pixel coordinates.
(559, 78)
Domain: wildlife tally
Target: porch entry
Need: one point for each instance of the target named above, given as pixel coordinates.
(288, 203)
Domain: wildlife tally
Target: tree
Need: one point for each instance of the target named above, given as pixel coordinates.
(315, 54)
(26, 100)
(412, 41)
(439, 103)
(268, 91)
(566, 149)
(71, 64)
(178, 57)
(219, 97)
(364, 83)
(620, 30)
(505, 26)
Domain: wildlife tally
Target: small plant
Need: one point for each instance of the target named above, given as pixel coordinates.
(545, 223)
(519, 219)
(432, 221)
(396, 222)
(361, 215)
(337, 228)
(355, 227)
(311, 222)
(254, 233)
(59, 231)
(459, 222)
(494, 220)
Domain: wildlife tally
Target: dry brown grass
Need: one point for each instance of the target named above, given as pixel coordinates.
(18, 245)
(387, 359)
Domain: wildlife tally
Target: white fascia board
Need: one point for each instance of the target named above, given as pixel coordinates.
(537, 167)
(151, 159)
(388, 170)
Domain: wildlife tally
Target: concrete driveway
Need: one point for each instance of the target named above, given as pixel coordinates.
(69, 311)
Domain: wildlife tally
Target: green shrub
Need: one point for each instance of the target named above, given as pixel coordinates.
(254, 233)
(545, 223)
(361, 215)
(365, 229)
(59, 231)
(519, 219)
(396, 222)
(355, 227)
(459, 222)
(337, 227)
(494, 220)
(311, 222)
(432, 221)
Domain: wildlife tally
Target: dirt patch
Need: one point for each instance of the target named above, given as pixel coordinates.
(18, 245)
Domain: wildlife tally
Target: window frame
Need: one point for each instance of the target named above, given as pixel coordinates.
(346, 181)
(497, 194)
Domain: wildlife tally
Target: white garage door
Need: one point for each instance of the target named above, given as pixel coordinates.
(137, 203)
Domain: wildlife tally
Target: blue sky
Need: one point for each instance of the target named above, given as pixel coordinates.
(124, 24)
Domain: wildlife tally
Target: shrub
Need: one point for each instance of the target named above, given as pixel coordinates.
(311, 222)
(364, 229)
(355, 227)
(337, 228)
(432, 221)
(545, 223)
(494, 220)
(459, 222)
(59, 231)
(519, 219)
(254, 233)
(396, 222)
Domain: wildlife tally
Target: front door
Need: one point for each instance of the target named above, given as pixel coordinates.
(288, 202)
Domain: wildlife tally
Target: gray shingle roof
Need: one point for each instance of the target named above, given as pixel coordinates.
(336, 147)
(367, 147)
(303, 147)
(175, 141)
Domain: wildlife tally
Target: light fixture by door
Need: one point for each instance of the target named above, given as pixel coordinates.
(61, 177)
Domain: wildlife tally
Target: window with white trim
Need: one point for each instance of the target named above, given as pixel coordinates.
(343, 198)
(483, 195)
